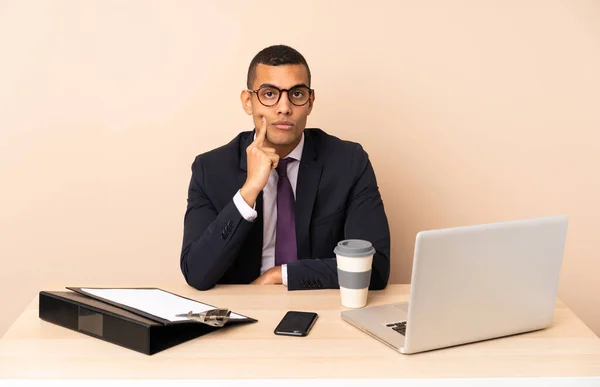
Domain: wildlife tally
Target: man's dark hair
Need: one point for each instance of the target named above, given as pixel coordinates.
(276, 56)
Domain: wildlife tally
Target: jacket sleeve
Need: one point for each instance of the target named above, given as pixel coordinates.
(211, 239)
(365, 219)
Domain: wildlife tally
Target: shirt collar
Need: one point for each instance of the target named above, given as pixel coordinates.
(296, 153)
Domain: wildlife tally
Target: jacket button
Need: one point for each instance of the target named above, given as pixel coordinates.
(223, 235)
(230, 224)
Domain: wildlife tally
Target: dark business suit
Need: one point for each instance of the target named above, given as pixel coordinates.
(336, 198)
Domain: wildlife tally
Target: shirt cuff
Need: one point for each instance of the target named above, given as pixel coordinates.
(284, 274)
(247, 212)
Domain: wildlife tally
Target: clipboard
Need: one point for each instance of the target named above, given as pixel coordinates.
(84, 311)
(194, 312)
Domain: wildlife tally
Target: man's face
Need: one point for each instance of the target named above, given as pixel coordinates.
(285, 121)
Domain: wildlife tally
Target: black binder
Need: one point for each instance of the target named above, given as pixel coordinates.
(118, 324)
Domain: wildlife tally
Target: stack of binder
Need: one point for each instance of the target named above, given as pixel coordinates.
(140, 319)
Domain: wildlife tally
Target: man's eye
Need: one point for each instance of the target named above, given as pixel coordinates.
(269, 94)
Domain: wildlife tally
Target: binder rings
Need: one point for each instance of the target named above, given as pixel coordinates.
(121, 324)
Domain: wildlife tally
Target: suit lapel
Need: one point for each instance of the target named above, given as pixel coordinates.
(309, 175)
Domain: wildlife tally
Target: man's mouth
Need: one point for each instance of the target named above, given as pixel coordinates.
(284, 125)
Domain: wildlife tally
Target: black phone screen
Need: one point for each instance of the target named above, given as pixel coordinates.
(296, 323)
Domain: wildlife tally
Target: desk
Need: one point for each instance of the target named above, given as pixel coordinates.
(35, 349)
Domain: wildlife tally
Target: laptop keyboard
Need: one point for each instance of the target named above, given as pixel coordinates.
(399, 327)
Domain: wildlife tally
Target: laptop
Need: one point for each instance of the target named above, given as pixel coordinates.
(473, 283)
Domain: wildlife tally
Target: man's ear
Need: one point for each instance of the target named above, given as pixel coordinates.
(246, 98)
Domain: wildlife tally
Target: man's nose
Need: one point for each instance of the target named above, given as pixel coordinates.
(284, 106)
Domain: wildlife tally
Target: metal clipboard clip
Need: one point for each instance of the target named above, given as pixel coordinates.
(214, 317)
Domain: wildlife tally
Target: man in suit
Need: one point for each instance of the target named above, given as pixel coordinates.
(270, 206)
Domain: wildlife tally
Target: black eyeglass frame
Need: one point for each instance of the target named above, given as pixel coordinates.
(310, 91)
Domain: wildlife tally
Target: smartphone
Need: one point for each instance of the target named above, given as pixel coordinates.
(296, 323)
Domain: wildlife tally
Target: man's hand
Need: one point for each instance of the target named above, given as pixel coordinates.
(261, 160)
(269, 277)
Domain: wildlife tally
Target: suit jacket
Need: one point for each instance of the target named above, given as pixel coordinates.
(337, 198)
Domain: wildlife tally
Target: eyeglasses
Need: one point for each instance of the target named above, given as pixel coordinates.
(270, 95)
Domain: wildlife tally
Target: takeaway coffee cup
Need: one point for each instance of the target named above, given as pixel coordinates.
(354, 259)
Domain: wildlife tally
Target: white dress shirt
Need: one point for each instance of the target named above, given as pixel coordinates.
(270, 209)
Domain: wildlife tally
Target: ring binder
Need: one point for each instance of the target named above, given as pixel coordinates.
(127, 326)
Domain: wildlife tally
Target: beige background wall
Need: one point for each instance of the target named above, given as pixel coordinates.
(472, 111)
